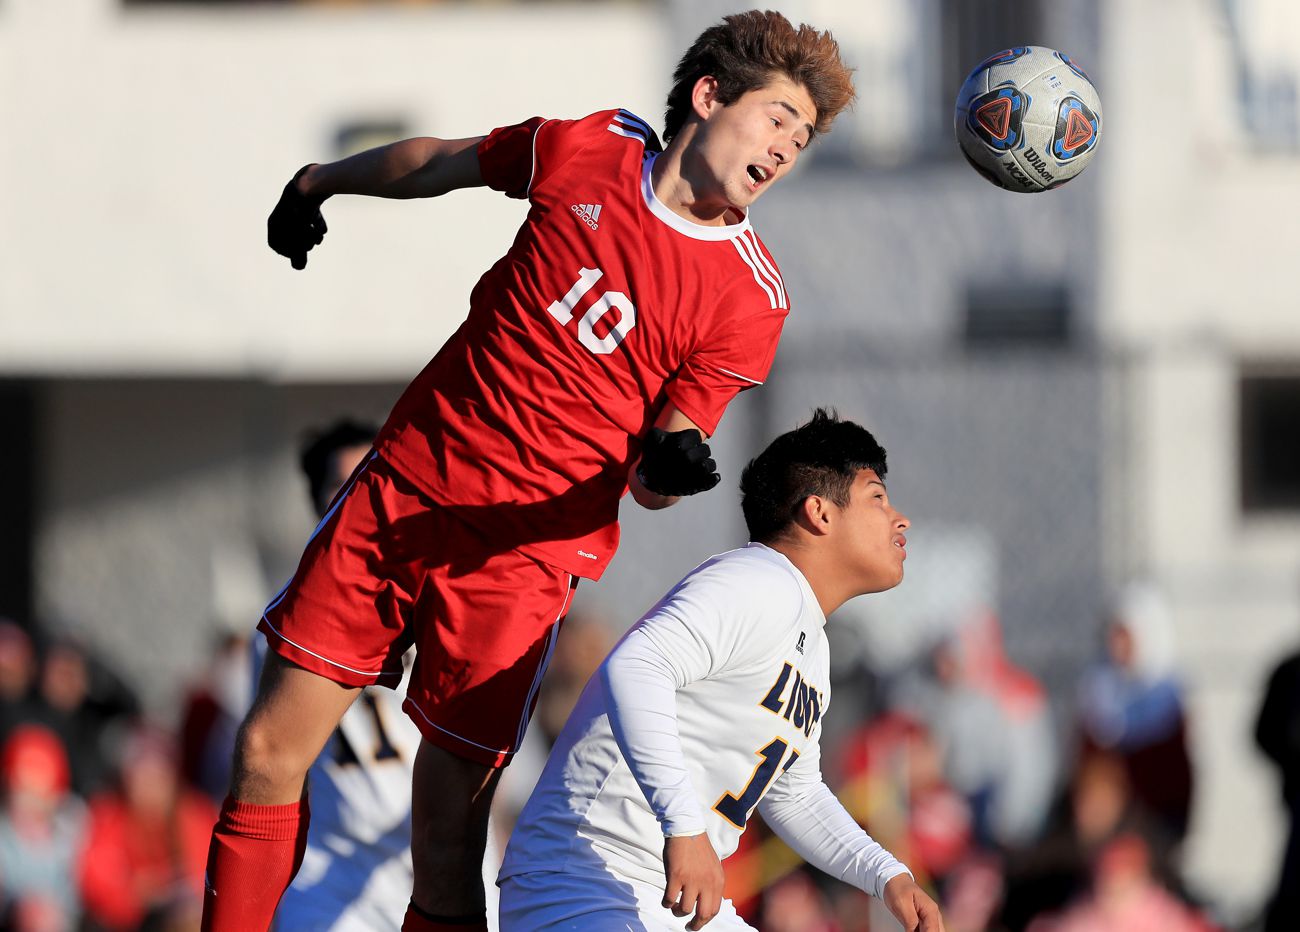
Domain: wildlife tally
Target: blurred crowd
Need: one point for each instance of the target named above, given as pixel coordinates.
(1012, 821)
(961, 768)
(99, 828)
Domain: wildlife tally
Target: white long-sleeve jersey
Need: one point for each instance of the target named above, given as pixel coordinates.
(709, 706)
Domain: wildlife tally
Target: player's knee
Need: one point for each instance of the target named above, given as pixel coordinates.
(266, 764)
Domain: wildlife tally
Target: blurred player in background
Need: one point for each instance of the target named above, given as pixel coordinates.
(712, 706)
(1277, 732)
(634, 304)
(356, 872)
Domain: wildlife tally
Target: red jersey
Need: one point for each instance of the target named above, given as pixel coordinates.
(606, 306)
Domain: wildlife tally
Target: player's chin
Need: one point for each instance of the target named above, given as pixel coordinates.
(747, 193)
(884, 579)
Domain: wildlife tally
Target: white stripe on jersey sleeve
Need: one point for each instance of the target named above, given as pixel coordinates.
(748, 248)
(634, 121)
(759, 277)
(632, 126)
(773, 274)
(533, 171)
(620, 131)
(737, 375)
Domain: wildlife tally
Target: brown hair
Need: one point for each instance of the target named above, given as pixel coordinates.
(747, 50)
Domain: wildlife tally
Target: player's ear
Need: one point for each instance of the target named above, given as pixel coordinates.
(815, 515)
(704, 96)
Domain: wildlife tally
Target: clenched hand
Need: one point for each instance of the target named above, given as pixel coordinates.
(694, 879)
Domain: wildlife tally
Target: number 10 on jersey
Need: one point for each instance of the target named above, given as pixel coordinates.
(564, 309)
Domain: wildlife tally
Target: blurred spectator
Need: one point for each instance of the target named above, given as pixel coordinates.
(1101, 803)
(66, 705)
(213, 710)
(1043, 880)
(1125, 897)
(973, 894)
(81, 680)
(584, 641)
(894, 787)
(1277, 732)
(994, 729)
(795, 904)
(1131, 705)
(41, 834)
(148, 841)
(64, 689)
(17, 676)
(968, 726)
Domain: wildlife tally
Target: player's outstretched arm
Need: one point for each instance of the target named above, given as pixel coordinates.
(695, 879)
(675, 461)
(420, 167)
(912, 906)
(805, 814)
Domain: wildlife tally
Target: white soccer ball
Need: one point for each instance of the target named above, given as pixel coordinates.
(1028, 118)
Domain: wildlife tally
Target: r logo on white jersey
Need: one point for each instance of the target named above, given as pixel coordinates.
(588, 213)
(799, 647)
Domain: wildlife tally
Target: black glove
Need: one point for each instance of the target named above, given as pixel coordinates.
(296, 224)
(679, 463)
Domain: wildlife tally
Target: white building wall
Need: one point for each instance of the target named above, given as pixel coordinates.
(1198, 254)
(145, 147)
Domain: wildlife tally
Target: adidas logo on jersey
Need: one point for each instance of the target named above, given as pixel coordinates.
(589, 213)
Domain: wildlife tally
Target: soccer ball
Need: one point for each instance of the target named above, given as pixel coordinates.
(1028, 118)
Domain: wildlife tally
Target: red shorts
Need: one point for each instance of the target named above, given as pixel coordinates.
(387, 568)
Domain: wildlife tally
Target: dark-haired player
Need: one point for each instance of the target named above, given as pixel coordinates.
(711, 706)
(599, 352)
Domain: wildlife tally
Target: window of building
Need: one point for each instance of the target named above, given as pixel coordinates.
(1261, 42)
(969, 32)
(1017, 314)
(972, 31)
(911, 57)
(18, 402)
(355, 136)
(1269, 426)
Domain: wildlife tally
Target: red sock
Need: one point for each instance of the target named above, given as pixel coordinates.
(254, 855)
(417, 920)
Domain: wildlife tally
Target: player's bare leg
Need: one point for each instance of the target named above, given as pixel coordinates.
(294, 714)
(258, 841)
(449, 817)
